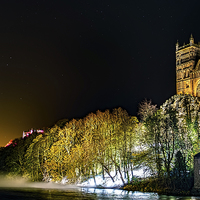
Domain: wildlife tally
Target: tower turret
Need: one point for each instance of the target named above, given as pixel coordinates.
(177, 45)
(191, 40)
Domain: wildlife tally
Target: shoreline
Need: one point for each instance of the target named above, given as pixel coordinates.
(166, 191)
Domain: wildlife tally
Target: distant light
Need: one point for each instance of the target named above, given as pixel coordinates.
(9, 143)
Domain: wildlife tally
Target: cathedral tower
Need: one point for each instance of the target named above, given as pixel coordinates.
(188, 68)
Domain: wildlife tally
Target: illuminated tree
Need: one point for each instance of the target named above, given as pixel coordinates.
(100, 143)
(33, 160)
(172, 128)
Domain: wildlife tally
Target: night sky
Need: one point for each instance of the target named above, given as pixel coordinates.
(65, 59)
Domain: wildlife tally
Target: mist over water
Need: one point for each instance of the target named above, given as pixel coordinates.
(19, 182)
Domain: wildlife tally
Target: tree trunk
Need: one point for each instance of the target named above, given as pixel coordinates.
(93, 174)
(118, 167)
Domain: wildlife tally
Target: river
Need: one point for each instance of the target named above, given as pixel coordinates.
(69, 193)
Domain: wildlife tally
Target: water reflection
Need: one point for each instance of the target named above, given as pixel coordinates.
(81, 193)
(120, 194)
(165, 197)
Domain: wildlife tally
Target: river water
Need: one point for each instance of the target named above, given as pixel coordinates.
(73, 193)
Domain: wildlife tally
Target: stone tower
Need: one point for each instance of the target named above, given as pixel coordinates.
(188, 68)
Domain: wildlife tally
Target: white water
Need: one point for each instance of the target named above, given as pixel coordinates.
(107, 182)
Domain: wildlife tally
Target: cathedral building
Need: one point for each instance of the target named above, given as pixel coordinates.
(188, 68)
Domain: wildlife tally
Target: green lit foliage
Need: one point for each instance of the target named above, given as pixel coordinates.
(80, 149)
(15, 159)
(171, 129)
(33, 160)
(104, 142)
(185, 125)
(149, 153)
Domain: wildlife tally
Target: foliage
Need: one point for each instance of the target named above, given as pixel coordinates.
(163, 143)
(78, 149)
(160, 185)
(171, 129)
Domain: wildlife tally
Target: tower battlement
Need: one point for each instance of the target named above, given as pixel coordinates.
(27, 133)
(188, 68)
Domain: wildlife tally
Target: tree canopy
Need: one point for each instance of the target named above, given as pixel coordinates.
(163, 142)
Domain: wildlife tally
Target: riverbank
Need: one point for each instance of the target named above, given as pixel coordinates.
(183, 187)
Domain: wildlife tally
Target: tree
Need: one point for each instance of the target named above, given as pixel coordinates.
(172, 128)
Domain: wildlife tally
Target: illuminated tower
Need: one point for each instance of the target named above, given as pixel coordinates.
(188, 68)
